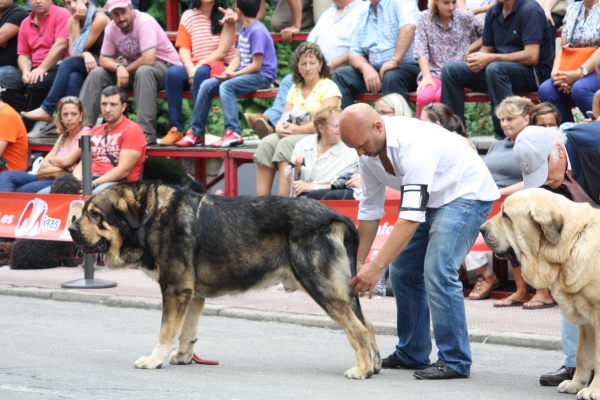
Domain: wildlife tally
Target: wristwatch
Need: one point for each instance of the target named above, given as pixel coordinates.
(584, 71)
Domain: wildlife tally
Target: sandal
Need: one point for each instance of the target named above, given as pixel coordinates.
(483, 287)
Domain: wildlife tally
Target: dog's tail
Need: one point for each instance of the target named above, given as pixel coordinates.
(351, 245)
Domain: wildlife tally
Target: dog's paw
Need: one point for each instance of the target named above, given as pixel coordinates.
(147, 362)
(570, 386)
(356, 373)
(589, 393)
(181, 358)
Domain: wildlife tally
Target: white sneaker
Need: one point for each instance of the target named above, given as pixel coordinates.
(38, 129)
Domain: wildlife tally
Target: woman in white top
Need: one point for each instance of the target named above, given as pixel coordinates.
(321, 159)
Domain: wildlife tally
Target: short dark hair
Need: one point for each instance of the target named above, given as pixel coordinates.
(543, 109)
(248, 7)
(112, 90)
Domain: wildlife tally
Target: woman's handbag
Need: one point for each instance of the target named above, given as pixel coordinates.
(50, 173)
(573, 58)
(296, 117)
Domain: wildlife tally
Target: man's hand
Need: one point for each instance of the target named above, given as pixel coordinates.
(90, 61)
(302, 187)
(353, 182)
(122, 77)
(372, 80)
(365, 279)
(286, 34)
(37, 75)
(386, 67)
(229, 16)
(426, 81)
(478, 61)
(25, 77)
(549, 16)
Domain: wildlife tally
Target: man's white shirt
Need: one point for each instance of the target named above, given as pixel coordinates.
(423, 153)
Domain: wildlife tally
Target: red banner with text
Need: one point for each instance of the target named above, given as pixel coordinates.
(35, 216)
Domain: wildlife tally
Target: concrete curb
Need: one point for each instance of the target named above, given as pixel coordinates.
(381, 327)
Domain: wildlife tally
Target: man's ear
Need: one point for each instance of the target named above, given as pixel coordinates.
(550, 221)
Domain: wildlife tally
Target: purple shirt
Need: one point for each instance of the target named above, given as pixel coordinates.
(256, 39)
(440, 46)
(145, 35)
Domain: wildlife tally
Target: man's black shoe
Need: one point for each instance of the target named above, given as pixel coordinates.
(393, 362)
(556, 377)
(439, 370)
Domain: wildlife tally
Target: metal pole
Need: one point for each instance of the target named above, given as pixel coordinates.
(88, 259)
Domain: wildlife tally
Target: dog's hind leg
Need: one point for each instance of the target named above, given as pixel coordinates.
(176, 300)
(322, 268)
(184, 352)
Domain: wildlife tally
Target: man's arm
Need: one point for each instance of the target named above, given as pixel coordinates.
(340, 61)
(7, 32)
(370, 75)
(3, 144)
(54, 55)
(367, 231)
(369, 274)
(296, 15)
(528, 56)
(406, 35)
(127, 160)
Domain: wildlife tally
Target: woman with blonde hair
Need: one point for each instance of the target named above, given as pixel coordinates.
(312, 89)
(70, 122)
(393, 105)
(322, 159)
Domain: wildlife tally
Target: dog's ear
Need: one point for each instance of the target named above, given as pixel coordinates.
(551, 221)
(131, 209)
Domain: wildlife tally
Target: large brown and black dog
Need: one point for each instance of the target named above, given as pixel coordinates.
(556, 243)
(202, 246)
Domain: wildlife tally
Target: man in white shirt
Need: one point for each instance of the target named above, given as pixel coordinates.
(447, 193)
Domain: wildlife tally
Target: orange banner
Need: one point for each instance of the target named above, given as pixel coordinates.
(35, 216)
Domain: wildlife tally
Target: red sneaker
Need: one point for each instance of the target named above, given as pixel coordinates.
(190, 140)
(229, 139)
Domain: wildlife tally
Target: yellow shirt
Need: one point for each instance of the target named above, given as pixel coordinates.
(324, 89)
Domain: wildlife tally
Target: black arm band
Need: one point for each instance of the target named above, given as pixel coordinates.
(414, 198)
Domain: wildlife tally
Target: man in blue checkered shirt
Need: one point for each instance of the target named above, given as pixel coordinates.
(381, 55)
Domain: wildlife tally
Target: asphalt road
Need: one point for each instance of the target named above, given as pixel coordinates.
(56, 350)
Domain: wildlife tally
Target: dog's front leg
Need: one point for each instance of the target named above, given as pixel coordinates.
(175, 304)
(584, 359)
(593, 361)
(184, 352)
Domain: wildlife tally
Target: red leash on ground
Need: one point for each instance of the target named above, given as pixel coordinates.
(199, 360)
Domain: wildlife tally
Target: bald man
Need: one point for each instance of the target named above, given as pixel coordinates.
(447, 193)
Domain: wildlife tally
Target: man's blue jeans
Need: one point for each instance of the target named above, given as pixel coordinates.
(582, 94)
(424, 278)
(22, 182)
(569, 334)
(68, 81)
(7, 69)
(229, 91)
(176, 81)
(402, 80)
(274, 113)
(499, 79)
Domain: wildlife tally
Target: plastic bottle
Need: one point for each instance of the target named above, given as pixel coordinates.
(379, 292)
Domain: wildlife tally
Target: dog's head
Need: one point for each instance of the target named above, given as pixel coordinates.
(536, 229)
(109, 223)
